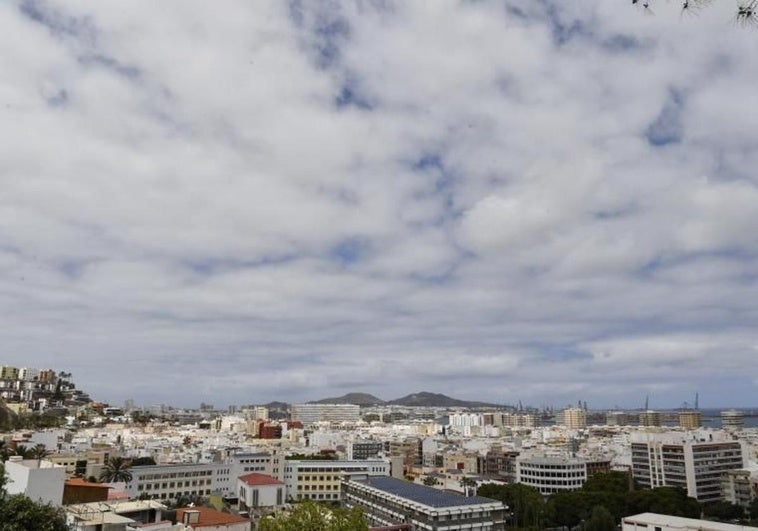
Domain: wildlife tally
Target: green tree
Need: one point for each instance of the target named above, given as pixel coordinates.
(600, 520)
(672, 501)
(723, 511)
(430, 481)
(116, 469)
(39, 452)
(310, 516)
(526, 503)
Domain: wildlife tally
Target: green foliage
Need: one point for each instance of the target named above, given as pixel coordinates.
(723, 511)
(310, 516)
(116, 469)
(430, 481)
(600, 520)
(617, 482)
(525, 503)
(143, 461)
(610, 491)
(672, 501)
(19, 513)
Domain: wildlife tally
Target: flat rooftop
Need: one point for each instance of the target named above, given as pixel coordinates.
(423, 494)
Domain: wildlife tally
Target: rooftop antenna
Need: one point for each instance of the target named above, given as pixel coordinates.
(647, 402)
(697, 401)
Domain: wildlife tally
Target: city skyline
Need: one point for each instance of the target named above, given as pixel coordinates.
(492, 201)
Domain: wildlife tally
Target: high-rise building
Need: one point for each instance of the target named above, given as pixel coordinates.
(311, 413)
(573, 418)
(694, 461)
(732, 419)
(689, 419)
(651, 418)
(554, 474)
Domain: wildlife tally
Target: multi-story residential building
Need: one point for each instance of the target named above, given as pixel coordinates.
(168, 482)
(573, 418)
(364, 449)
(391, 502)
(689, 419)
(617, 418)
(738, 487)
(458, 420)
(732, 419)
(311, 413)
(651, 418)
(320, 480)
(554, 474)
(499, 462)
(692, 462)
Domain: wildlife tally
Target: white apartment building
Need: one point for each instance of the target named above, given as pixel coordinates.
(551, 474)
(168, 482)
(458, 420)
(694, 461)
(311, 413)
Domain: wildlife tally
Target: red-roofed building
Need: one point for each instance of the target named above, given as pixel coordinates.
(258, 491)
(207, 519)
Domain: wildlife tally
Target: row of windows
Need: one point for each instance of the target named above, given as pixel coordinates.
(172, 475)
(318, 487)
(172, 484)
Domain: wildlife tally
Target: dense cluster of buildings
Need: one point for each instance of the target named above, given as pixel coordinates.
(414, 472)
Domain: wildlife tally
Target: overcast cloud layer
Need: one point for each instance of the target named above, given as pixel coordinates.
(244, 201)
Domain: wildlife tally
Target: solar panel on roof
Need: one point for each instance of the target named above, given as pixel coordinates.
(423, 494)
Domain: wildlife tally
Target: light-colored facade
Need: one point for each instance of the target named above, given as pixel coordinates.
(168, 482)
(693, 463)
(259, 491)
(312, 413)
(573, 418)
(39, 480)
(732, 419)
(651, 418)
(690, 420)
(551, 474)
(738, 487)
(662, 522)
(320, 480)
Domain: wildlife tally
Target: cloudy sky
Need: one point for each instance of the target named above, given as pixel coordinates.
(237, 202)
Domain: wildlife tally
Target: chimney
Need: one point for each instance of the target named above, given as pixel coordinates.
(191, 517)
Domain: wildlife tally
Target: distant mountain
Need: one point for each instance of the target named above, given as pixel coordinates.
(277, 405)
(361, 399)
(425, 399)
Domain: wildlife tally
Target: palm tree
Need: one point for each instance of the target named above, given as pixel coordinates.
(23, 451)
(116, 469)
(39, 452)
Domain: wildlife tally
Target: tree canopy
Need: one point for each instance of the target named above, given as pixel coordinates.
(20, 513)
(310, 516)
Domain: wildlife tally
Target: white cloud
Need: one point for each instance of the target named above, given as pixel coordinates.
(386, 196)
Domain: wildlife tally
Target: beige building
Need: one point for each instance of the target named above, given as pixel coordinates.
(689, 420)
(573, 418)
(651, 418)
